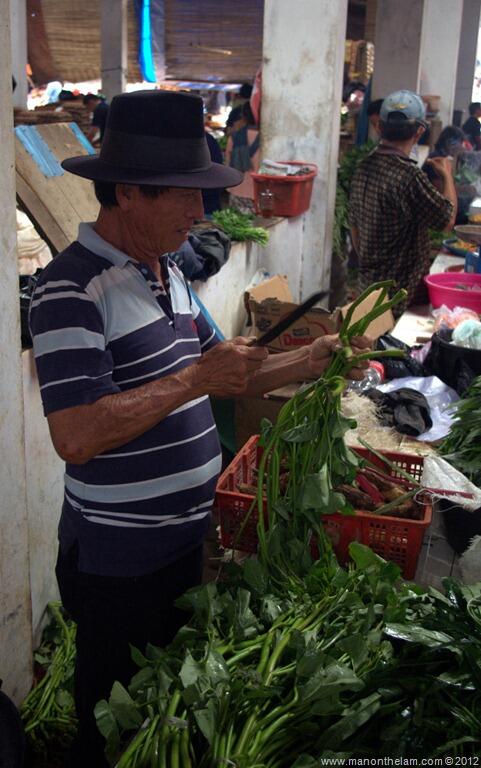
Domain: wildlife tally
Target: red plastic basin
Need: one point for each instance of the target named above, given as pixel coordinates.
(442, 290)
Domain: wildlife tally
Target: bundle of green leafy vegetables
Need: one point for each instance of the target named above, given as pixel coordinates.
(48, 712)
(462, 447)
(438, 236)
(239, 226)
(350, 664)
(289, 659)
(345, 173)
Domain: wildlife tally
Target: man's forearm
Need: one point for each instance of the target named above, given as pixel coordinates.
(355, 239)
(82, 432)
(449, 192)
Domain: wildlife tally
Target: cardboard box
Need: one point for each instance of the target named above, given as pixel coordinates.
(272, 300)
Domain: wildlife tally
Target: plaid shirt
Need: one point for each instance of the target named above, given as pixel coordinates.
(393, 205)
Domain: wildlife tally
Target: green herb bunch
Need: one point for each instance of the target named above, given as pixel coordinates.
(345, 174)
(239, 226)
(462, 447)
(48, 712)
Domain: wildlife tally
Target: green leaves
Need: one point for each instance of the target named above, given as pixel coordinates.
(107, 725)
(317, 494)
(124, 708)
(239, 226)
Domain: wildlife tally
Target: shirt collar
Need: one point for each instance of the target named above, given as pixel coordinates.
(389, 149)
(88, 237)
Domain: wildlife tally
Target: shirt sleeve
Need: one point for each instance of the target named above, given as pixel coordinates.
(73, 365)
(428, 206)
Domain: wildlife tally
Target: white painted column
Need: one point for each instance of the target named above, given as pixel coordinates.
(302, 72)
(18, 28)
(397, 46)
(467, 56)
(439, 52)
(114, 47)
(417, 43)
(15, 611)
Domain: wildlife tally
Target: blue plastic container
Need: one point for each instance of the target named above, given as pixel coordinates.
(472, 262)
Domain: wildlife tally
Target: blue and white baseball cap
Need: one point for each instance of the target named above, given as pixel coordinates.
(405, 105)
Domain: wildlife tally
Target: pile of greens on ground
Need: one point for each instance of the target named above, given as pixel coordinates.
(239, 226)
(48, 711)
(462, 447)
(326, 663)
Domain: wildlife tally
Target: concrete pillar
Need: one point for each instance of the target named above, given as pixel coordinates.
(113, 27)
(15, 611)
(370, 22)
(303, 57)
(439, 52)
(18, 28)
(467, 56)
(397, 46)
(417, 43)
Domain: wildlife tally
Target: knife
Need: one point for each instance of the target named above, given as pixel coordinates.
(288, 320)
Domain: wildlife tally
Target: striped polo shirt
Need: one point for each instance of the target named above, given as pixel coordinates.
(102, 323)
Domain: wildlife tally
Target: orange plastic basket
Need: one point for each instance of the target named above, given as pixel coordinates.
(393, 538)
(292, 194)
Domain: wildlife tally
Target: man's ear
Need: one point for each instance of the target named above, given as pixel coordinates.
(420, 131)
(125, 194)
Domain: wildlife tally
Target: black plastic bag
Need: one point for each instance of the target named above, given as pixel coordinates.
(27, 285)
(456, 366)
(398, 369)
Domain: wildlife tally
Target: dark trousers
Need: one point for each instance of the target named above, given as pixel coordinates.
(110, 613)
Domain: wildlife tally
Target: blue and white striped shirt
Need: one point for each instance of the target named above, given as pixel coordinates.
(101, 324)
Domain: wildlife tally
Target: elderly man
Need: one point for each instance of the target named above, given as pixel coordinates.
(393, 205)
(126, 364)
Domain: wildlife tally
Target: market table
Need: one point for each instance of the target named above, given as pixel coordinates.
(416, 324)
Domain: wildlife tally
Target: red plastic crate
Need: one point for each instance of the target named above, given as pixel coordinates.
(292, 194)
(393, 538)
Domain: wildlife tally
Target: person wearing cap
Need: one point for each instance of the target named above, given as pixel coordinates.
(126, 364)
(393, 204)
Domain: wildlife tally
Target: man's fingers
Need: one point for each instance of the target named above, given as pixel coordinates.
(243, 341)
(253, 353)
(361, 342)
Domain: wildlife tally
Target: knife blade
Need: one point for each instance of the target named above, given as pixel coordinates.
(288, 320)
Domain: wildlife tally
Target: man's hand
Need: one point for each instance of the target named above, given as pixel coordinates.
(226, 368)
(442, 165)
(321, 350)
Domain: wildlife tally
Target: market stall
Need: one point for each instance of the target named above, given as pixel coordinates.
(289, 658)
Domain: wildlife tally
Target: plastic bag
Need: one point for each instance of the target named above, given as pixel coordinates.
(397, 369)
(438, 473)
(27, 285)
(439, 397)
(456, 366)
(451, 318)
(468, 334)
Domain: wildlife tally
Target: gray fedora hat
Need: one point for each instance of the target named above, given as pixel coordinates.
(155, 138)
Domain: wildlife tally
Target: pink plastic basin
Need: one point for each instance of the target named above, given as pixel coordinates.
(442, 290)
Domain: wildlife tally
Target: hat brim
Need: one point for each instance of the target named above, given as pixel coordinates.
(215, 177)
